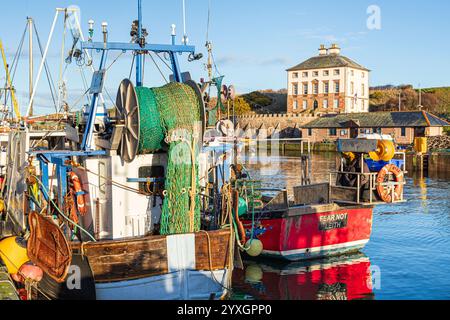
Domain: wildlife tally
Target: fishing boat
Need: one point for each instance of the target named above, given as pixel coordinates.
(325, 219)
(338, 278)
(131, 204)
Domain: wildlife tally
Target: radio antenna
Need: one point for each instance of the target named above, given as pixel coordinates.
(185, 37)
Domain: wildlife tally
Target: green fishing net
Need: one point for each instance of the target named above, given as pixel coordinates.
(172, 114)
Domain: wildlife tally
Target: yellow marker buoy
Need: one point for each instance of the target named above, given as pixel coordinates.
(385, 151)
(255, 247)
(13, 253)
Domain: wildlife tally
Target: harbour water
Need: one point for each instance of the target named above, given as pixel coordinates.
(408, 256)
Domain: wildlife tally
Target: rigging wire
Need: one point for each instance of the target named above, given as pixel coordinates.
(85, 83)
(132, 66)
(115, 60)
(164, 61)
(47, 69)
(44, 189)
(215, 65)
(157, 66)
(61, 72)
(15, 64)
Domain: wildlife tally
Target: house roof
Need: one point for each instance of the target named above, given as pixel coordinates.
(380, 120)
(328, 61)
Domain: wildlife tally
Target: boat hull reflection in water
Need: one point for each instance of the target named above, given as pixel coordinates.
(340, 278)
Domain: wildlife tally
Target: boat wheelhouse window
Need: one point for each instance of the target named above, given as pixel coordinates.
(152, 172)
(403, 132)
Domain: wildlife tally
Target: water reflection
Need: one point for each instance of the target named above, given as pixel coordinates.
(340, 278)
(284, 171)
(409, 244)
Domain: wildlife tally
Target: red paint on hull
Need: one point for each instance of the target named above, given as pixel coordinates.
(348, 280)
(316, 234)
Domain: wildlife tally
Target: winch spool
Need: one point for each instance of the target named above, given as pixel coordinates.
(385, 151)
(149, 114)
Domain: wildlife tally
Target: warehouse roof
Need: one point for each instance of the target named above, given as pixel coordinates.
(379, 120)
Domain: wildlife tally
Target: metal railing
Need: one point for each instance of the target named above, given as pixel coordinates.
(373, 185)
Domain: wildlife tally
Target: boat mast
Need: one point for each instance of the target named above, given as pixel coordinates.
(139, 65)
(31, 62)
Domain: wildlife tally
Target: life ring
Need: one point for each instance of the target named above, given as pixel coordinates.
(385, 193)
(79, 193)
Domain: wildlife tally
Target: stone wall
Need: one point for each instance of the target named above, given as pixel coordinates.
(287, 125)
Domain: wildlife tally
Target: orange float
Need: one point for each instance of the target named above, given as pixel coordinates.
(76, 186)
(240, 225)
(385, 193)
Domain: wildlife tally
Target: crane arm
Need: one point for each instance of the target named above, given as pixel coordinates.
(10, 86)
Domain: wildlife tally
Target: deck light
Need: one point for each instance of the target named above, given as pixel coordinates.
(105, 31)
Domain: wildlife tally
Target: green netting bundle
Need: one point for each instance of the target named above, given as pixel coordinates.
(168, 112)
(151, 131)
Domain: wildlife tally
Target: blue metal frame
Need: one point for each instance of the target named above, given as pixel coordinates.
(118, 46)
(171, 49)
(89, 132)
(139, 64)
(60, 158)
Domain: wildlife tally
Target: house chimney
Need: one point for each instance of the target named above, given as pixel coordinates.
(334, 49)
(322, 50)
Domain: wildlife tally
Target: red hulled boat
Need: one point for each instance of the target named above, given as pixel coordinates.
(326, 219)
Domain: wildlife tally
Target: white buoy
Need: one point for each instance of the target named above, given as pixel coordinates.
(255, 247)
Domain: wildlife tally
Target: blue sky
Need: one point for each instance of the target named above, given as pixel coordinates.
(254, 41)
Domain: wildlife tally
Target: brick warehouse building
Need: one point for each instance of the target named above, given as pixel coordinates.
(403, 126)
(328, 83)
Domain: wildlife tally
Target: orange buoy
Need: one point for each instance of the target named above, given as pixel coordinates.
(385, 193)
(76, 186)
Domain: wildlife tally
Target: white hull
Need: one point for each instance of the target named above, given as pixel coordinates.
(181, 285)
